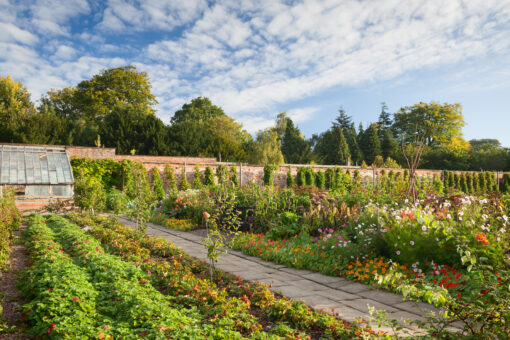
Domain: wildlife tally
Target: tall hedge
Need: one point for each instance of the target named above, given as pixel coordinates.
(157, 184)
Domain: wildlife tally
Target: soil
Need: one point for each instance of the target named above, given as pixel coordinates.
(11, 298)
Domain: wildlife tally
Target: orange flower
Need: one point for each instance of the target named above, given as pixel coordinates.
(482, 238)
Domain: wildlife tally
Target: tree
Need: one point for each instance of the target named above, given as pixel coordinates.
(342, 148)
(352, 140)
(44, 127)
(487, 154)
(129, 127)
(200, 109)
(111, 88)
(389, 145)
(438, 124)
(384, 120)
(267, 149)
(170, 177)
(370, 144)
(197, 178)
(15, 109)
(295, 148)
(332, 147)
(157, 184)
(184, 184)
(343, 120)
(208, 176)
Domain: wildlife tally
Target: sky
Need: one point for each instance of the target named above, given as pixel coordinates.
(258, 58)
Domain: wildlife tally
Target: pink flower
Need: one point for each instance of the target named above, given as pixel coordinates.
(398, 252)
(411, 243)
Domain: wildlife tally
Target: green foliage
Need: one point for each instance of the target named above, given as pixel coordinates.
(309, 176)
(438, 124)
(290, 178)
(295, 148)
(157, 184)
(10, 219)
(184, 184)
(438, 185)
(391, 163)
(320, 179)
(116, 201)
(197, 178)
(389, 145)
(286, 226)
(269, 174)
(505, 187)
(170, 178)
(221, 173)
(267, 149)
(200, 109)
(301, 176)
(370, 144)
(329, 178)
(89, 193)
(208, 176)
(106, 171)
(233, 175)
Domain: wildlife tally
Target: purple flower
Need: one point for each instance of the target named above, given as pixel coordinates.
(411, 243)
(331, 230)
(398, 252)
(339, 237)
(316, 239)
(320, 230)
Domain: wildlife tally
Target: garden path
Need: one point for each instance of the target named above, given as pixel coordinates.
(346, 299)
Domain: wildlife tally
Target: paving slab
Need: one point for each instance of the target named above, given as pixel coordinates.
(338, 295)
(382, 296)
(352, 287)
(293, 291)
(321, 278)
(310, 285)
(318, 302)
(364, 304)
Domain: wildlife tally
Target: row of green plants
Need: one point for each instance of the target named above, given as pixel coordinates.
(77, 290)
(10, 220)
(245, 307)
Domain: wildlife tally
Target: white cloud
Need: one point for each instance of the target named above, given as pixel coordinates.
(302, 114)
(12, 33)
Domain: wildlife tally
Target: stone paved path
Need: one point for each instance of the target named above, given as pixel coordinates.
(347, 299)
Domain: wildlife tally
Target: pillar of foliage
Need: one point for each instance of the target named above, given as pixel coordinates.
(438, 185)
(170, 177)
(157, 184)
(320, 179)
(476, 182)
(329, 178)
(456, 181)
(290, 179)
(309, 176)
(505, 187)
(446, 179)
(143, 196)
(208, 176)
(406, 174)
(197, 178)
(301, 177)
(221, 173)
(184, 185)
(233, 175)
(356, 176)
(464, 183)
(269, 174)
(492, 181)
(469, 182)
(483, 182)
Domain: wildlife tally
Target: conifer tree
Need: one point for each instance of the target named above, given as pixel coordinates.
(320, 179)
(184, 185)
(208, 176)
(301, 177)
(329, 178)
(389, 145)
(352, 141)
(170, 177)
(371, 145)
(197, 179)
(343, 148)
(290, 179)
(157, 184)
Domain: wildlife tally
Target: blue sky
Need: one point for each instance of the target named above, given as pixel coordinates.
(258, 58)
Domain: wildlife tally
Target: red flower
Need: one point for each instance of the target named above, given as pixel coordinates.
(75, 299)
(482, 238)
(52, 328)
(459, 295)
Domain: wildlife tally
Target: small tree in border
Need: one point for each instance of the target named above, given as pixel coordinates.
(170, 177)
(184, 185)
(157, 184)
(197, 179)
(290, 179)
(413, 160)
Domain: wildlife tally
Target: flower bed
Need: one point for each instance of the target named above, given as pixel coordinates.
(248, 306)
(162, 219)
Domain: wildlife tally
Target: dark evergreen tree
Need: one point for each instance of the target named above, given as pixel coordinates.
(370, 145)
(330, 178)
(389, 145)
(320, 179)
(295, 148)
(355, 150)
(385, 120)
(343, 120)
(290, 179)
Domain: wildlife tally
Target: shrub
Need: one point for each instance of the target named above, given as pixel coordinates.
(89, 194)
(269, 174)
(290, 179)
(157, 184)
(197, 179)
(330, 178)
(506, 183)
(221, 173)
(184, 185)
(208, 176)
(10, 219)
(170, 177)
(233, 175)
(438, 185)
(115, 201)
(301, 177)
(320, 179)
(309, 176)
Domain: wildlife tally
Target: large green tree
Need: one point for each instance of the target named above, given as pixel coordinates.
(354, 148)
(267, 148)
(203, 129)
(437, 123)
(295, 148)
(199, 109)
(488, 154)
(370, 143)
(15, 109)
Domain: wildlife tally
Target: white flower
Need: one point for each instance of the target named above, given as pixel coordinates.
(424, 228)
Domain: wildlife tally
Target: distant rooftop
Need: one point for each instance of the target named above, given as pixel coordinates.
(27, 165)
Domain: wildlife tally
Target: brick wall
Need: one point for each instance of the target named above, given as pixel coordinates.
(166, 159)
(90, 152)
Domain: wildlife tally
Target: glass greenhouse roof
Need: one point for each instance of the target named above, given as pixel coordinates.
(25, 165)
